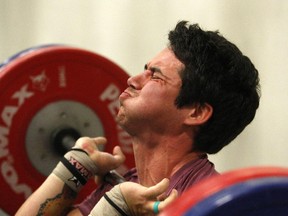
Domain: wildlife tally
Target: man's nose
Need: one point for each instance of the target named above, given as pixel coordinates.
(137, 81)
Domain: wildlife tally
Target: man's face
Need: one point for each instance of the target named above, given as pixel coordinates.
(149, 100)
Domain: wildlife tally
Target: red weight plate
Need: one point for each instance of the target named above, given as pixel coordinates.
(54, 86)
(210, 186)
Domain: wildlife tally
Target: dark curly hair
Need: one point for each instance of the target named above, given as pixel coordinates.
(217, 73)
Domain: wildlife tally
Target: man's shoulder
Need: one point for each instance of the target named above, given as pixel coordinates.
(191, 173)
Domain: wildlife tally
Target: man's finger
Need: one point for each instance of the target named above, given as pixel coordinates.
(118, 155)
(100, 141)
(158, 189)
(90, 144)
(172, 196)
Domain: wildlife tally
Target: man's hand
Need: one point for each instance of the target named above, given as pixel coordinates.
(103, 160)
(130, 198)
(141, 200)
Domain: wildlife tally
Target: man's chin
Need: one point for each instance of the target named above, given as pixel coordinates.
(119, 119)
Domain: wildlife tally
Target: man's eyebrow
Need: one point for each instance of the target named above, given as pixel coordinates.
(153, 69)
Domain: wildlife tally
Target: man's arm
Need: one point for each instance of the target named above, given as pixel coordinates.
(53, 197)
(59, 191)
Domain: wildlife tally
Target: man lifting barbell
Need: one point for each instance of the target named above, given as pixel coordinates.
(192, 99)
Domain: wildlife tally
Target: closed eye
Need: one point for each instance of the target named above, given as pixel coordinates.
(154, 74)
(154, 71)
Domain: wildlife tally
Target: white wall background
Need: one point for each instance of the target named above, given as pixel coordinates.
(130, 32)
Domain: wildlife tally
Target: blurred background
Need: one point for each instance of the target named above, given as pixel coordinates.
(131, 32)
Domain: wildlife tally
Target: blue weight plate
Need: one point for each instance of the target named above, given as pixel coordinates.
(210, 186)
(263, 197)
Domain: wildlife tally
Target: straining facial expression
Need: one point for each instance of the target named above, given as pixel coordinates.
(150, 96)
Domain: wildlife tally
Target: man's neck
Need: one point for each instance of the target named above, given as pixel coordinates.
(160, 159)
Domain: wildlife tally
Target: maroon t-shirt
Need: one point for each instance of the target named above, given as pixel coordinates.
(184, 178)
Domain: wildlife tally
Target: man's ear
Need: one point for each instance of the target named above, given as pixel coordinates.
(199, 114)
